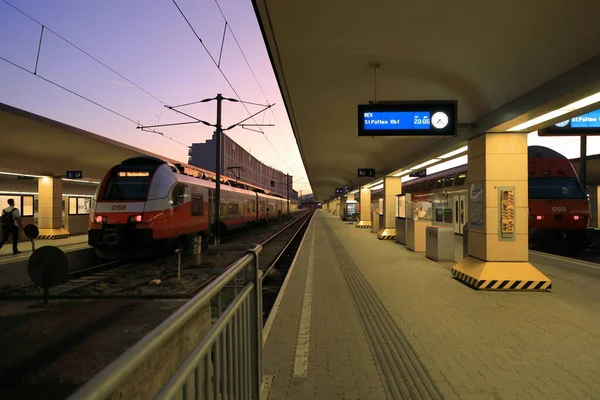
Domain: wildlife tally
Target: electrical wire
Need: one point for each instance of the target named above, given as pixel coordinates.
(83, 51)
(228, 25)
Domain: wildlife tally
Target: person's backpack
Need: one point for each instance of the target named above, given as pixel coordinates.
(7, 218)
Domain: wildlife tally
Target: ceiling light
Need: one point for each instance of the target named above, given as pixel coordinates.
(377, 187)
(557, 113)
(80, 180)
(29, 175)
(376, 183)
(455, 152)
(426, 163)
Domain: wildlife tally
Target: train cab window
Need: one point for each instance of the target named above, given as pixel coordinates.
(431, 184)
(197, 204)
(460, 179)
(449, 181)
(439, 184)
(556, 188)
(127, 187)
(178, 194)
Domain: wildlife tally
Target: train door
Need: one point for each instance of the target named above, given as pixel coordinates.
(461, 215)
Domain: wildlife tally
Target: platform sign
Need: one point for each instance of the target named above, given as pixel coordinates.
(74, 175)
(366, 172)
(415, 118)
(586, 124)
(339, 191)
(418, 174)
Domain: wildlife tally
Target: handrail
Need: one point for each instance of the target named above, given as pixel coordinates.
(108, 380)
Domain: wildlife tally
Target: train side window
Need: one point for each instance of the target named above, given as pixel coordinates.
(440, 183)
(197, 204)
(460, 179)
(178, 195)
(431, 184)
(449, 181)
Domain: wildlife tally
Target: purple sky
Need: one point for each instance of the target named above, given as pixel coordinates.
(149, 42)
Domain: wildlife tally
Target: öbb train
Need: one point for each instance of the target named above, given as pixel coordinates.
(146, 204)
(559, 209)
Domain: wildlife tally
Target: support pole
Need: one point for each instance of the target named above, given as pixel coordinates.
(288, 193)
(583, 163)
(218, 134)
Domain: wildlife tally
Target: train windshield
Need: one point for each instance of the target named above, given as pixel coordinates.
(556, 188)
(128, 185)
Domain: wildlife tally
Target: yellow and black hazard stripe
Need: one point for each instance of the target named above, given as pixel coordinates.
(387, 237)
(60, 236)
(502, 284)
(363, 225)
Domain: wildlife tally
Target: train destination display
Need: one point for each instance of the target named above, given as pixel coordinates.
(586, 124)
(407, 119)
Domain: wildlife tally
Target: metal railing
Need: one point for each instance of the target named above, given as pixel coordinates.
(227, 361)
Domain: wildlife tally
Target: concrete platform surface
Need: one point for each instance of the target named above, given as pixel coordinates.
(70, 243)
(377, 321)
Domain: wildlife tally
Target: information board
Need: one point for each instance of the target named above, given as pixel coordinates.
(586, 124)
(476, 220)
(339, 191)
(426, 118)
(418, 174)
(74, 174)
(366, 172)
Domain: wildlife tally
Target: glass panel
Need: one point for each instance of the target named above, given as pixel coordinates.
(72, 205)
(27, 206)
(556, 188)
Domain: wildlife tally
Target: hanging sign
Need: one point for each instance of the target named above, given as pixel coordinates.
(366, 172)
(586, 124)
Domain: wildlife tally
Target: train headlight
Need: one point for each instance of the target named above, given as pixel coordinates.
(135, 218)
(100, 219)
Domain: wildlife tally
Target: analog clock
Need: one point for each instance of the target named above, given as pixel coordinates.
(439, 120)
(563, 123)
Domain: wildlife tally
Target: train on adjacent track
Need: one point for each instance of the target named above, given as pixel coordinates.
(559, 209)
(146, 204)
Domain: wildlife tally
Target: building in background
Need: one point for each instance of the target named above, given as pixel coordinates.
(239, 164)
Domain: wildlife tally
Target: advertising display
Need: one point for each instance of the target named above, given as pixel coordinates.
(476, 220)
(506, 203)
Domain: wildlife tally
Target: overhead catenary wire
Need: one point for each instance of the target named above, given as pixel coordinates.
(277, 124)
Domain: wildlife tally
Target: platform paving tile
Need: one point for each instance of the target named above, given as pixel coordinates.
(478, 344)
(340, 363)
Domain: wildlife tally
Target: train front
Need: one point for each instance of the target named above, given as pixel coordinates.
(121, 221)
(559, 210)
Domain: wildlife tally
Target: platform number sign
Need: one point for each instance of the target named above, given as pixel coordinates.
(74, 174)
(339, 191)
(366, 172)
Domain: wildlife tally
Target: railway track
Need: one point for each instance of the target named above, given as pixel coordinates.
(131, 279)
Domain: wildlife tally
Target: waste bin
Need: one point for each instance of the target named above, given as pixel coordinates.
(439, 243)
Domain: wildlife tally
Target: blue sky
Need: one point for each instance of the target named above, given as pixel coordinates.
(150, 43)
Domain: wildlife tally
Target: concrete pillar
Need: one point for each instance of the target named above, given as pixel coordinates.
(342, 206)
(364, 219)
(50, 220)
(350, 197)
(594, 192)
(392, 186)
(498, 240)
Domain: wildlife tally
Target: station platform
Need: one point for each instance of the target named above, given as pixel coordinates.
(13, 267)
(361, 318)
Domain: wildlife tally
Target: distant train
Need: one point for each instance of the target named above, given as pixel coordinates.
(146, 204)
(559, 210)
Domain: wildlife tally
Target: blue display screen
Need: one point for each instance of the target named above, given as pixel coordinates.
(394, 120)
(589, 120)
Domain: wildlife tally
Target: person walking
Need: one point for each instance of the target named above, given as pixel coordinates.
(11, 222)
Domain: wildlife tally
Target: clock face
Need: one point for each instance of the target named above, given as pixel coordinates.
(562, 124)
(439, 120)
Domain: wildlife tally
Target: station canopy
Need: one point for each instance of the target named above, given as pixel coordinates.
(504, 62)
(32, 144)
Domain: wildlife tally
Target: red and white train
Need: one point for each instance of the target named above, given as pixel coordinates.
(146, 204)
(559, 210)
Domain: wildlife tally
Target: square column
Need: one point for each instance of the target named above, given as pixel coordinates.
(392, 186)
(364, 220)
(498, 232)
(50, 220)
(342, 207)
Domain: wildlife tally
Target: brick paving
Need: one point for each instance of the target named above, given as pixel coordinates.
(475, 344)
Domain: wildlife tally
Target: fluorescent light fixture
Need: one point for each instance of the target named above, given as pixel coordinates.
(455, 162)
(401, 173)
(29, 175)
(454, 153)
(426, 163)
(20, 193)
(377, 187)
(557, 113)
(355, 191)
(78, 195)
(80, 180)
(376, 183)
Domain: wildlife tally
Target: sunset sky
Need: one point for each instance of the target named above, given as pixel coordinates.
(150, 43)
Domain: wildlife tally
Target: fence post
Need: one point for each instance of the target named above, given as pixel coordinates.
(253, 274)
(197, 251)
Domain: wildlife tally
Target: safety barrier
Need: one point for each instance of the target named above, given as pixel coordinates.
(226, 362)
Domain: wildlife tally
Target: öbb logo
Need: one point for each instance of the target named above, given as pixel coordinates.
(119, 207)
(559, 209)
